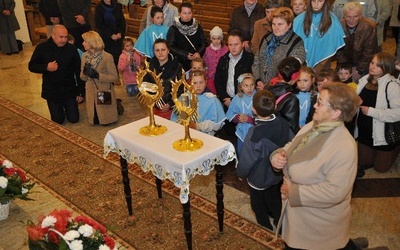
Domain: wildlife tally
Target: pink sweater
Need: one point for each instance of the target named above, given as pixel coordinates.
(211, 58)
(126, 60)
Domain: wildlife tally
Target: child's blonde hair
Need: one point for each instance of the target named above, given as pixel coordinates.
(243, 77)
(126, 40)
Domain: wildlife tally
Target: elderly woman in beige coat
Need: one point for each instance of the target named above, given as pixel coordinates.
(319, 167)
(99, 72)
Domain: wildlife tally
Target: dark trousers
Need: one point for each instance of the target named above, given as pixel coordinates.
(77, 34)
(350, 246)
(59, 109)
(266, 203)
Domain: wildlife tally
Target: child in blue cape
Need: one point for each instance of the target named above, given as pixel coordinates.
(239, 110)
(211, 114)
(144, 44)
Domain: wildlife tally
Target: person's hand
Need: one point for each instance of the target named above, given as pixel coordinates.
(192, 125)
(247, 46)
(260, 85)
(355, 75)
(90, 72)
(285, 188)
(115, 37)
(190, 56)
(227, 101)
(6, 12)
(279, 160)
(54, 20)
(364, 110)
(80, 19)
(79, 99)
(166, 108)
(52, 66)
(243, 118)
(196, 55)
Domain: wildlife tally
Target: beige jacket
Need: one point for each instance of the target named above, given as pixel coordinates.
(317, 214)
(261, 28)
(107, 76)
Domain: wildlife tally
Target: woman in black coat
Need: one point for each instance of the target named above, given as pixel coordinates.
(110, 24)
(186, 37)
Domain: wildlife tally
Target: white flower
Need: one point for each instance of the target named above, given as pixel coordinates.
(104, 247)
(86, 230)
(76, 245)
(7, 164)
(24, 190)
(71, 235)
(3, 182)
(49, 221)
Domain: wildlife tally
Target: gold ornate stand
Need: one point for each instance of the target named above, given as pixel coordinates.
(150, 93)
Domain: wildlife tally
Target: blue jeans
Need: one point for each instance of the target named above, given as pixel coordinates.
(132, 89)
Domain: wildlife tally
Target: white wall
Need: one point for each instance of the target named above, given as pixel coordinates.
(23, 33)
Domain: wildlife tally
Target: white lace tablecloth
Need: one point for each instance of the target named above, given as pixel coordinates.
(156, 154)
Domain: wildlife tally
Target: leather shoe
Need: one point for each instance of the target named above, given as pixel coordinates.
(360, 242)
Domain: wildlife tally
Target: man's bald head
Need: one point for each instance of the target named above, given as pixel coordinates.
(59, 35)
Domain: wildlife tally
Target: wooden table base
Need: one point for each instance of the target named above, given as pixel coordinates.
(187, 222)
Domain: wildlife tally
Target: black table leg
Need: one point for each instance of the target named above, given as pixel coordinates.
(158, 183)
(220, 197)
(187, 223)
(125, 181)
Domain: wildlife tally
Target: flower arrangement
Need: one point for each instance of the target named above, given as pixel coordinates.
(59, 231)
(13, 183)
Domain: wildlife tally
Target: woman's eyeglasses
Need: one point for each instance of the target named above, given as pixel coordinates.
(321, 103)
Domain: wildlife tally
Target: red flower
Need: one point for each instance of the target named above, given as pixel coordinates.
(109, 242)
(21, 175)
(36, 232)
(10, 171)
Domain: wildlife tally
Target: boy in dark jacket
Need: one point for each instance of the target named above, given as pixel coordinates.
(269, 133)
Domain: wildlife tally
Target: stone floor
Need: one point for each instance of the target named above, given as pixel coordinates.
(377, 217)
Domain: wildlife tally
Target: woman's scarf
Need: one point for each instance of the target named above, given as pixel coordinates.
(109, 18)
(315, 131)
(93, 58)
(249, 8)
(273, 44)
(186, 28)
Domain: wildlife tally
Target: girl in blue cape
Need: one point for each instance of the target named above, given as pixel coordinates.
(144, 44)
(210, 111)
(239, 110)
(321, 32)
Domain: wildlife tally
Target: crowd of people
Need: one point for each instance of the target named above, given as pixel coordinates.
(304, 131)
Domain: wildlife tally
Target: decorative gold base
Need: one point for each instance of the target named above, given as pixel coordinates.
(187, 145)
(153, 130)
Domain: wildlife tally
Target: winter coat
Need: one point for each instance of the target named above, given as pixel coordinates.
(222, 72)
(60, 84)
(107, 75)
(262, 27)
(180, 46)
(288, 107)
(128, 64)
(8, 24)
(364, 45)
(70, 8)
(49, 8)
(171, 70)
(240, 20)
(317, 213)
(291, 45)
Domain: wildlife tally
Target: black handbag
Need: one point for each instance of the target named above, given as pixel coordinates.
(392, 129)
(103, 96)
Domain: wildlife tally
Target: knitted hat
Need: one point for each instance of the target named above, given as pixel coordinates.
(216, 31)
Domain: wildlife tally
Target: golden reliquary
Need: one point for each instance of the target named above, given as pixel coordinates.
(150, 94)
(186, 107)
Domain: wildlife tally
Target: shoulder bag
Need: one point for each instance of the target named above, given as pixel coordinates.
(392, 129)
(103, 96)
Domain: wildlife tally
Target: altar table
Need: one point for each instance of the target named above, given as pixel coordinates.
(156, 154)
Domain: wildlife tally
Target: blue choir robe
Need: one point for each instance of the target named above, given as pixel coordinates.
(305, 105)
(144, 44)
(319, 48)
(241, 105)
(211, 113)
